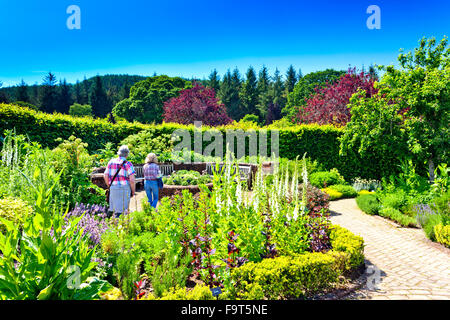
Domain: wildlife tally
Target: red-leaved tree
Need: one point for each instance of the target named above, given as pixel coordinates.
(196, 104)
(328, 105)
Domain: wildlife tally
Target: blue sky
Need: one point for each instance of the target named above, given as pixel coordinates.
(191, 38)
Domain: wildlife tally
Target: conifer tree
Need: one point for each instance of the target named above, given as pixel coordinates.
(264, 96)
(249, 94)
(99, 100)
(77, 92)
(48, 97)
(64, 97)
(22, 92)
(291, 79)
(214, 81)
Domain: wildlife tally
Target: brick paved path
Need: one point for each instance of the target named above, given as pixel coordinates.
(408, 264)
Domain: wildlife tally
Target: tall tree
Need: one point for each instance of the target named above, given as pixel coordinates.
(22, 92)
(196, 104)
(306, 86)
(291, 79)
(125, 92)
(329, 104)
(64, 98)
(277, 99)
(77, 92)
(249, 94)
(214, 81)
(147, 97)
(264, 95)
(34, 99)
(99, 100)
(85, 92)
(49, 96)
(229, 93)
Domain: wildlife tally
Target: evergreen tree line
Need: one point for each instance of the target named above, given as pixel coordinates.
(102, 93)
(259, 94)
(256, 95)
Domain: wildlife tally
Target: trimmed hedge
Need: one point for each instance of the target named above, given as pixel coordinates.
(321, 143)
(301, 275)
(442, 234)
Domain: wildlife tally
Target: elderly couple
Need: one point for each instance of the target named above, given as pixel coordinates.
(120, 178)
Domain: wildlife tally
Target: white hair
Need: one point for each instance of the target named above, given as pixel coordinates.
(123, 151)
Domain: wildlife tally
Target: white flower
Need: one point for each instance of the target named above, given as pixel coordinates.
(239, 193)
(295, 213)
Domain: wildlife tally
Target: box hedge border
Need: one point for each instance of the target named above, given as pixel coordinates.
(321, 143)
(302, 275)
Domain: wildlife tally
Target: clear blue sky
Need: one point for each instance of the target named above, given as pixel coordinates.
(191, 38)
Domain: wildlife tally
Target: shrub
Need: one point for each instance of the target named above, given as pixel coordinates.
(334, 194)
(397, 216)
(442, 203)
(79, 110)
(298, 275)
(150, 140)
(324, 179)
(368, 203)
(200, 292)
(432, 221)
(347, 191)
(285, 277)
(24, 104)
(397, 200)
(186, 178)
(318, 201)
(442, 234)
(423, 212)
(343, 240)
(250, 118)
(363, 192)
(14, 210)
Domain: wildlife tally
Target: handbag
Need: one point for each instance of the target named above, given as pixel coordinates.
(108, 190)
(160, 182)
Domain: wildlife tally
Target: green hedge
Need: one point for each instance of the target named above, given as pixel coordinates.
(301, 275)
(320, 142)
(442, 234)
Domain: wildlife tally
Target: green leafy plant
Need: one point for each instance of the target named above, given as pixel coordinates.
(45, 259)
(368, 203)
(324, 179)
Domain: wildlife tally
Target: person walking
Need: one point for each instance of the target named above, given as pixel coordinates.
(120, 178)
(151, 174)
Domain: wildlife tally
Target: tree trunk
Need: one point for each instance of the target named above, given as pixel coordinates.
(431, 169)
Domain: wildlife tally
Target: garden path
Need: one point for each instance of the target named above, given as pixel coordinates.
(136, 201)
(409, 265)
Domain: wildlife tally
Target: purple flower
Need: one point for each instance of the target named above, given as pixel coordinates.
(94, 221)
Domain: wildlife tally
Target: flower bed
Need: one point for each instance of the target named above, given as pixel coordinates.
(276, 243)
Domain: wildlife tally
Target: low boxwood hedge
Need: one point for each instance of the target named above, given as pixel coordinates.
(300, 275)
